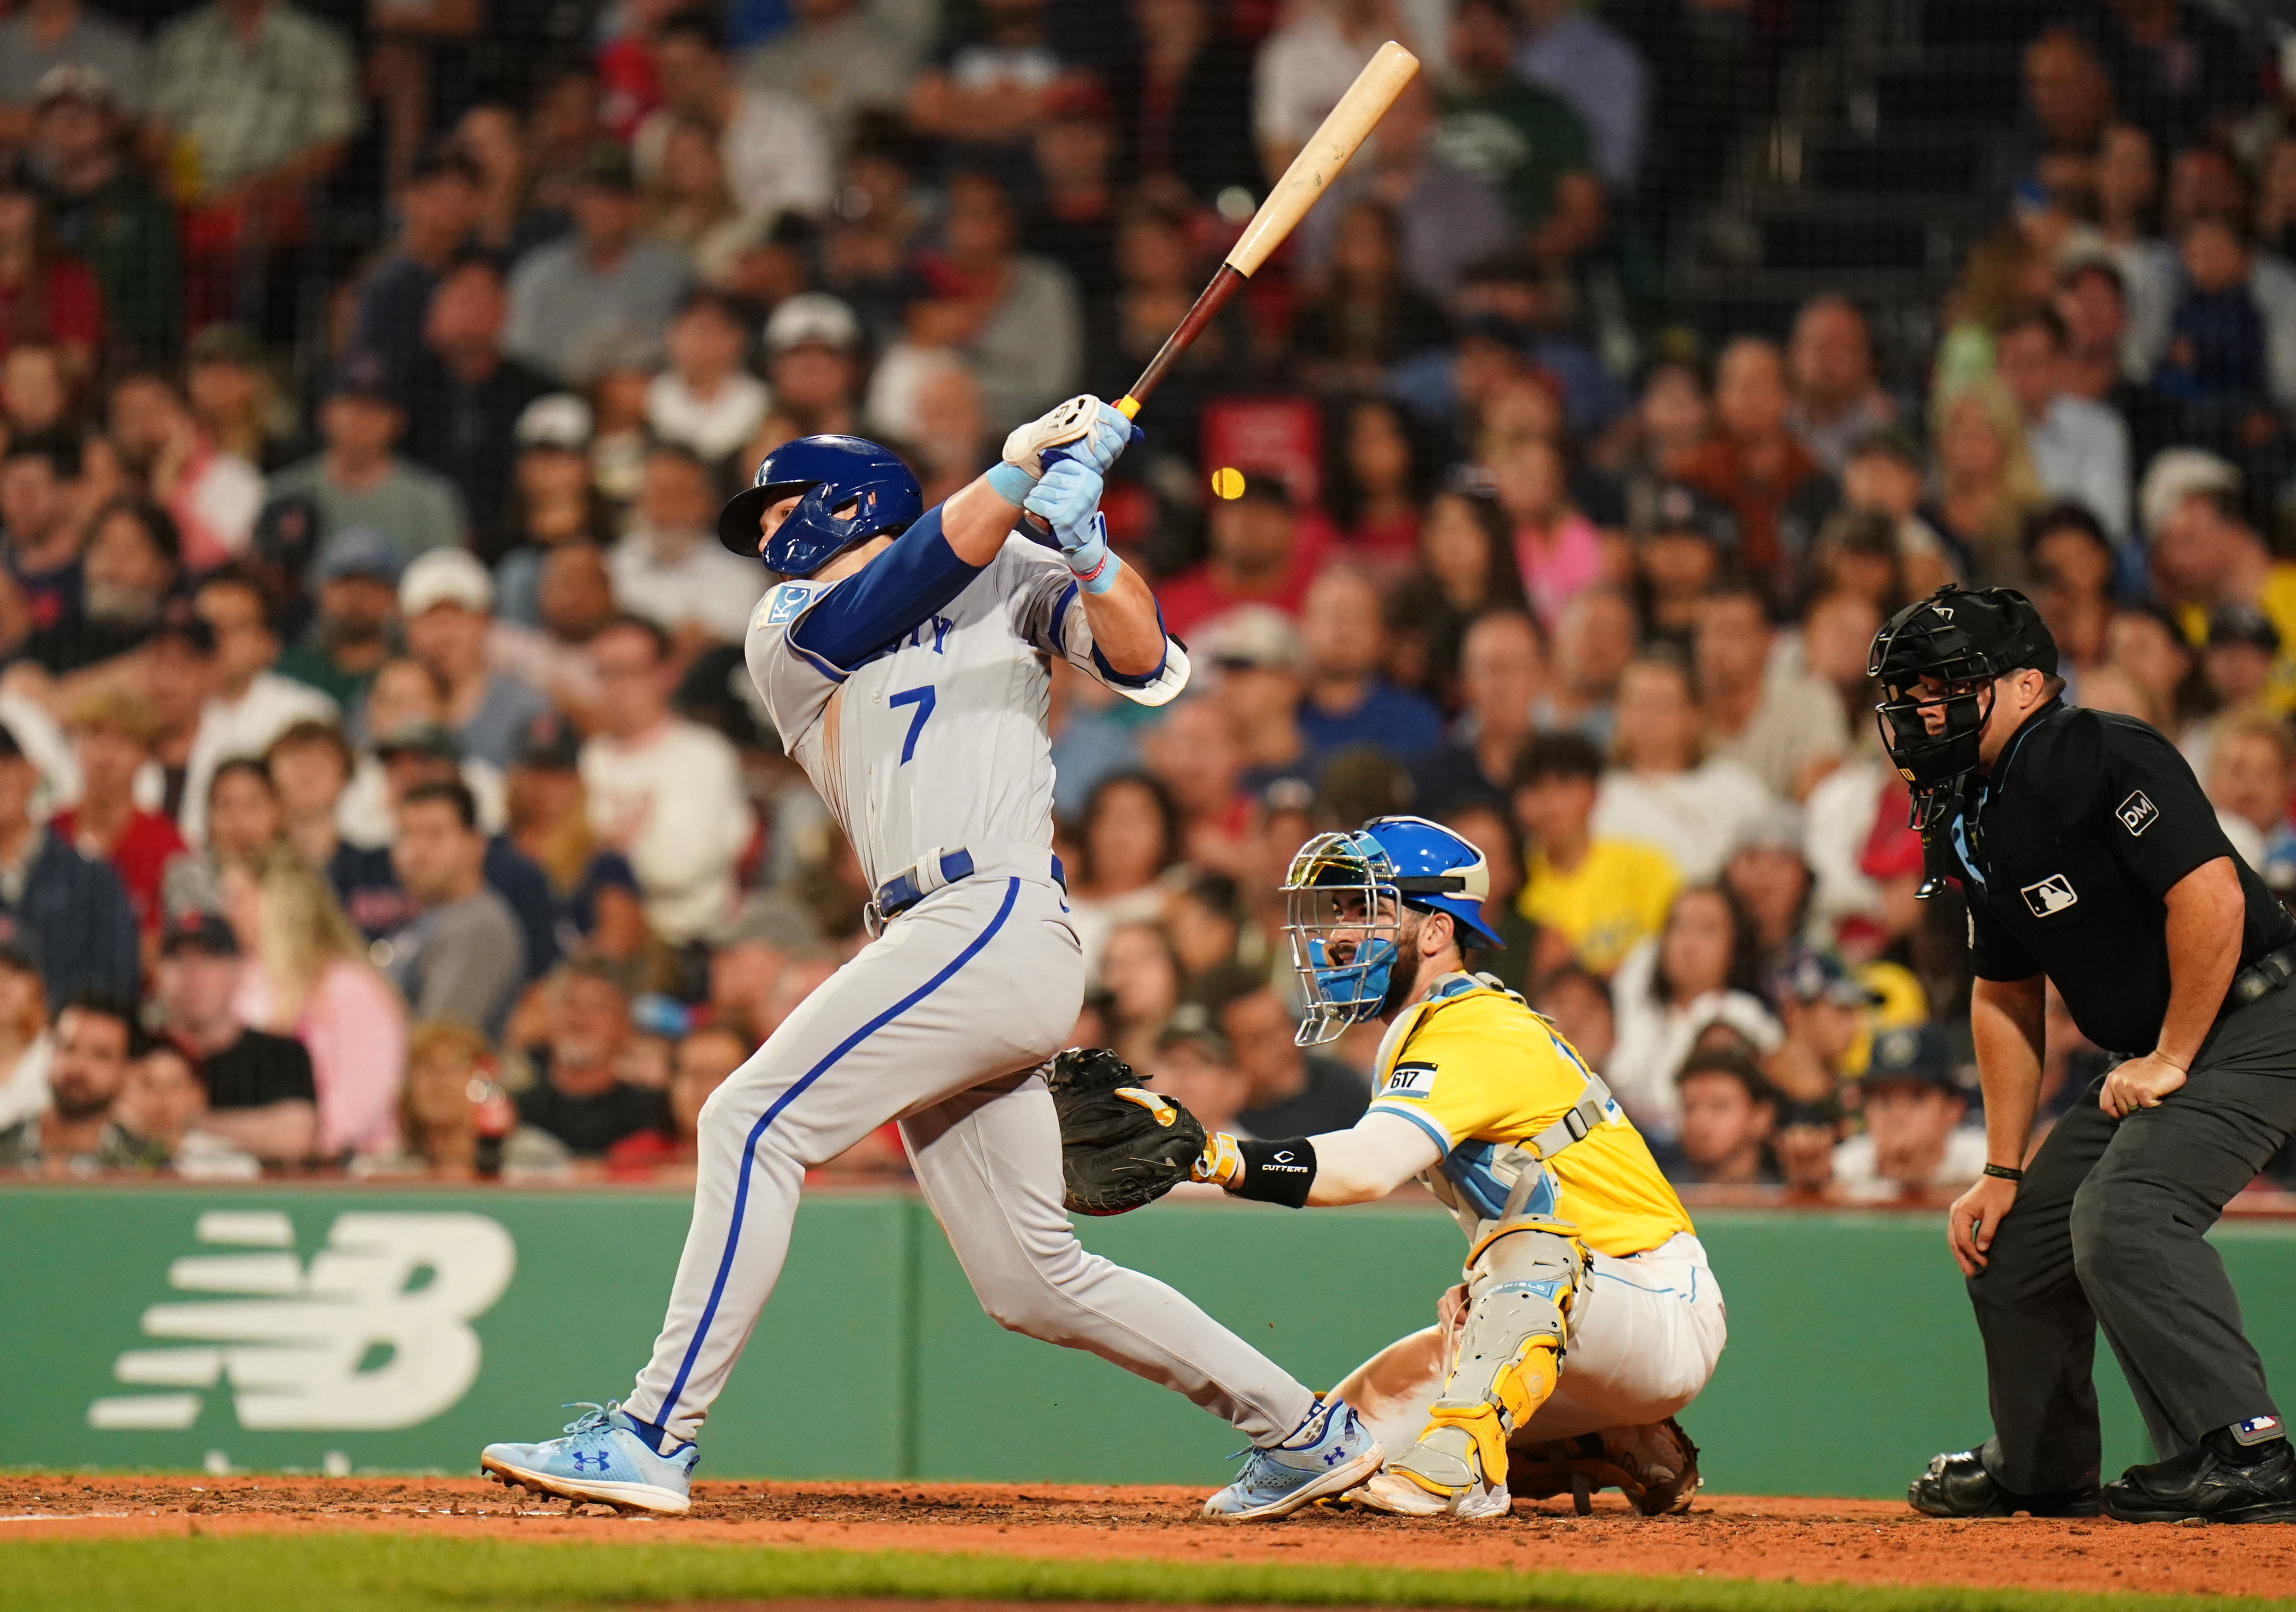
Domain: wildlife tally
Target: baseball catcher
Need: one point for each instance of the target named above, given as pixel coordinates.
(1587, 1317)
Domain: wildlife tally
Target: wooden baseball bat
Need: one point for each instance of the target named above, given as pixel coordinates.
(1311, 172)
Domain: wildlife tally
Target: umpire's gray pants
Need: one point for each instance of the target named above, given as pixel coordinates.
(2109, 1229)
(940, 1020)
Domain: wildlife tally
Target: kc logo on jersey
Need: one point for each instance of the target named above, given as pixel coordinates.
(2051, 894)
(784, 604)
(2137, 813)
(1408, 1080)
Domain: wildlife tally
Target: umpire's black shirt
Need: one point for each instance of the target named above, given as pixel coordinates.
(2068, 849)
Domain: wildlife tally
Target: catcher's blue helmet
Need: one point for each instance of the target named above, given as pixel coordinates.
(832, 472)
(1345, 891)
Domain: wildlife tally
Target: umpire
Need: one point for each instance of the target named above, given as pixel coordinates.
(2089, 856)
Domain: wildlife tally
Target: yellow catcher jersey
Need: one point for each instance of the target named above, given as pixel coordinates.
(1478, 1071)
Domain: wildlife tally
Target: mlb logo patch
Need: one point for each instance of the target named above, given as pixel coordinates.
(2049, 897)
(2137, 813)
(783, 603)
(1408, 1080)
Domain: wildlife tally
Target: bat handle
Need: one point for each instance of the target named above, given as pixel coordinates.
(1040, 529)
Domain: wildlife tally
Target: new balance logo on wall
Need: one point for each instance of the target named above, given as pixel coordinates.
(374, 1333)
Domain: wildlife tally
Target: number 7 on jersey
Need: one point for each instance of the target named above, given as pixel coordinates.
(923, 698)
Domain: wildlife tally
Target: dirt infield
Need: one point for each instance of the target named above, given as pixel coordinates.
(1810, 1541)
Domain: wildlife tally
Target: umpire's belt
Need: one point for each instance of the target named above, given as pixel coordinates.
(935, 870)
(2260, 979)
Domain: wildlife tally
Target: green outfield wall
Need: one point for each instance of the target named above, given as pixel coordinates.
(397, 1331)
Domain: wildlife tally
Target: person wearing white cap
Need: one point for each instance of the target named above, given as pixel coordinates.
(812, 358)
(669, 569)
(552, 500)
(446, 606)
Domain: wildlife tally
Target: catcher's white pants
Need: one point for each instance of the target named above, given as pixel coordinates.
(1646, 1331)
(938, 1022)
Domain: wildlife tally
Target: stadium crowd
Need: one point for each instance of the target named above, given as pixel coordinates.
(380, 785)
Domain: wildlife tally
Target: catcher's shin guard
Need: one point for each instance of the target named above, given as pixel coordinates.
(1524, 1276)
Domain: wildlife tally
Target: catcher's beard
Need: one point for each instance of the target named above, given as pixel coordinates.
(1403, 973)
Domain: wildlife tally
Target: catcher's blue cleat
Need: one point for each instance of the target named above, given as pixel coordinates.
(1329, 1454)
(603, 1458)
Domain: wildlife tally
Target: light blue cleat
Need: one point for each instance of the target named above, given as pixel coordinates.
(603, 1458)
(1329, 1454)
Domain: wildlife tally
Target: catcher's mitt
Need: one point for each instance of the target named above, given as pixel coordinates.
(1121, 1145)
(1654, 1466)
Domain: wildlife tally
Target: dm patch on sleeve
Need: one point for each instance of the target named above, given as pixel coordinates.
(1409, 1080)
(2137, 813)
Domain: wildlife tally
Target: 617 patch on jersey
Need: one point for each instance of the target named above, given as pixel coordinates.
(1409, 1080)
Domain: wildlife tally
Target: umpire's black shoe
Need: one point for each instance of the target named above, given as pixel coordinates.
(2216, 1479)
(1958, 1484)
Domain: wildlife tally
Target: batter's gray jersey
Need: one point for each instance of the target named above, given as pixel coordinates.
(939, 742)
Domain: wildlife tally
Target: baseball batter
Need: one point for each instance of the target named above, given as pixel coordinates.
(1588, 1316)
(904, 658)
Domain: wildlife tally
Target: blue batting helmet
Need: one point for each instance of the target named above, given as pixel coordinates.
(1345, 891)
(832, 472)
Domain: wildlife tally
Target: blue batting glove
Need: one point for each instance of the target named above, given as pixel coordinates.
(1109, 434)
(1066, 496)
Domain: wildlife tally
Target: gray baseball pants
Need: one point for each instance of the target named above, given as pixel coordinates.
(939, 1022)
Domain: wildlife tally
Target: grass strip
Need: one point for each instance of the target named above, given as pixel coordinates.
(361, 1572)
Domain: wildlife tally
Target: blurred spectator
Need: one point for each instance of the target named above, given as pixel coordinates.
(358, 481)
(462, 959)
(1783, 726)
(2176, 67)
(2250, 777)
(776, 150)
(1594, 641)
(1824, 1009)
(472, 395)
(1837, 401)
(813, 363)
(2206, 554)
(573, 597)
(1259, 555)
(1914, 1143)
(551, 501)
(1604, 896)
(2148, 663)
(2221, 334)
(1529, 951)
(66, 909)
(1129, 835)
(1194, 1064)
(76, 1133)
(1142, 977)
(600, 910)
(1367, 318)
(439, 1108)
(1888, 475)
(705, 401)
(1306, 66)
(307, 977)
(2068, 104)
(2073, 564)
(1526, 139)
(1290, 1090)
(90, 46)
(256, 100)
(1502, 670)
(1439, 215)
(248, 704)
(445, 603)
(688, 205)
(1773, 883)
(1016, 319)
(112, 732)
(1205, 919)
(1588, 64)
(40, 527)
(1349, 703)
(705, 1056)
(1987, 486)
(575, 300)
(2237, 661)
(163, 1103)
(578, 1095)
(1778, 491)
(1466, 567)
(1727, 1115)
(127, 572)
(840, 58)
(1183, 102)
(1683, 545)
(1697, 973)
(671, 568)
(47, 299)
(212, 493)
(1376, 491)
(1578, 1006)
(1557, 549)
(355, 579)
(2079, 447)
(34, 391)
(26, 1047)
(665, 792)
(1661, 789)
(101, 207)
(259, 1092)
(438, 205)
(234, 399)
(245, 821)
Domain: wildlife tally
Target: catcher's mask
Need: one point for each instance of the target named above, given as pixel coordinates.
(1345, 894)
(1936, 661)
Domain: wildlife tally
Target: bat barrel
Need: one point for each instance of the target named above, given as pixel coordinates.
(1326, 153)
